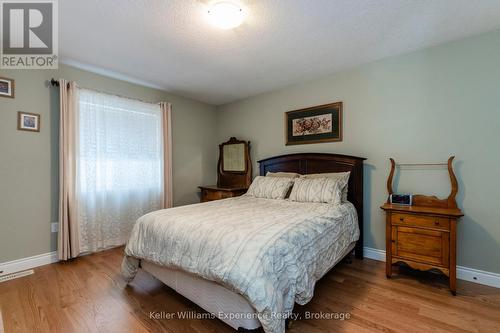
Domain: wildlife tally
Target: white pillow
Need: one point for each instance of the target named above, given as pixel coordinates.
(342, 176)
(283, 174)
(270, 187)
(327, 190)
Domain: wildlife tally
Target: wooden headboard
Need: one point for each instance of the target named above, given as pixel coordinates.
(306, 163)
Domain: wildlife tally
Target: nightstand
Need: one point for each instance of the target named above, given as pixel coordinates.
(424, 238)
(424, 235)
(210, 193)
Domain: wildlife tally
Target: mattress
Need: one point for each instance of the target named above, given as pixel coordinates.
(211, 296)
(270, 251)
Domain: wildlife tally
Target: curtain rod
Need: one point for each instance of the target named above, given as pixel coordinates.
(55, 83)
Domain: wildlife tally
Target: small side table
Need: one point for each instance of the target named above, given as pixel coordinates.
(210, 193)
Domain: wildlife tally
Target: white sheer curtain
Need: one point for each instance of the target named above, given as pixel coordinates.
(119, 166)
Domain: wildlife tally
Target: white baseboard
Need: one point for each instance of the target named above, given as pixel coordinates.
(464, 273)
(475, 275)
(1, 323)
(28, 263)
(374, 254)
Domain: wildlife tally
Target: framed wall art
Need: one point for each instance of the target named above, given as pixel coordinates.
(28, 122)
(322, 123)
(6, 87)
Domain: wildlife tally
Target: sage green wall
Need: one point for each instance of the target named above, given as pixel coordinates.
(419, 107)
(29, 161)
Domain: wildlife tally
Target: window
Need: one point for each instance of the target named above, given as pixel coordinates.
(119, 166)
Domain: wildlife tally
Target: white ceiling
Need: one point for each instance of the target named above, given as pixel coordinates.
(169, 44)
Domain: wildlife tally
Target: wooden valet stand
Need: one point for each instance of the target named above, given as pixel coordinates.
(424, 235)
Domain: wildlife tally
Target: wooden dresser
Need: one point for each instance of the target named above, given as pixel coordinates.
(210, 193)
(424, 235)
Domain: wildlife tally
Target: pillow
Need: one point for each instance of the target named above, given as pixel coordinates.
(270, 187)
(343, 176)
(283, 174)
(327, 190)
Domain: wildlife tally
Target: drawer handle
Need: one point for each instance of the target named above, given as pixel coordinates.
(436, 222)
(401, 219)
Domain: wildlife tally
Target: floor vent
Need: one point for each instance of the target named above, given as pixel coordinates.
(13, 276)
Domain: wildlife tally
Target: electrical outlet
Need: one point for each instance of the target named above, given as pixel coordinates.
(54, 227)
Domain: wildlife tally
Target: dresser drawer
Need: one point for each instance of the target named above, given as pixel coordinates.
(420, 221)
(208, 195)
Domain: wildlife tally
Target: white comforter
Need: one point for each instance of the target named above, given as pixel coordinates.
(270, 251)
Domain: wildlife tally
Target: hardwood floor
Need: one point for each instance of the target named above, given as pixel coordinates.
(88, 295)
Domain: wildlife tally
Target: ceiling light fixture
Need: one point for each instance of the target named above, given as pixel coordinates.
(226, 14)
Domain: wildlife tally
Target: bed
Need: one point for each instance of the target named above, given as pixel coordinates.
(248, 260)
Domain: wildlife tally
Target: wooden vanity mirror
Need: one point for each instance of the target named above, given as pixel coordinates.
(233, 158)
(234, 167)
(234, 172)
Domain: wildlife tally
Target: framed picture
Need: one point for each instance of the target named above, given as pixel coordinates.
(6, 87)
(28, 121)
(322, 123)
